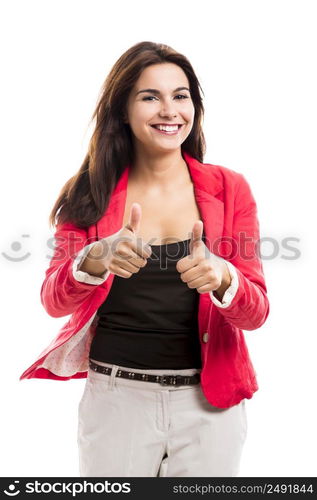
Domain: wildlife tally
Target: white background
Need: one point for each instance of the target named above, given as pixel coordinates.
(256, 61)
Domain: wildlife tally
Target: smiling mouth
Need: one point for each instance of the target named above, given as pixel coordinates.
(168, 132)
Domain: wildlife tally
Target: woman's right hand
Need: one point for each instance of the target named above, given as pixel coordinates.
(123, 253)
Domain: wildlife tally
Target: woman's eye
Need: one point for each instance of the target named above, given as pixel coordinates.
(153, 97)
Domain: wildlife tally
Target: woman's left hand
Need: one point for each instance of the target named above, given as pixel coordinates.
(202, 269)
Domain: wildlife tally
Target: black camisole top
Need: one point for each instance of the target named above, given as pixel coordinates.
(150, 320)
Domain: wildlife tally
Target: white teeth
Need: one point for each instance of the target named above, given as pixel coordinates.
(167, 128)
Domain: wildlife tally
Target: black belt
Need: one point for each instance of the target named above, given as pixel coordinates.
(146, 377)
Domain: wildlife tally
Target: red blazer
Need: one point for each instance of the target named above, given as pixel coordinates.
(229, 213)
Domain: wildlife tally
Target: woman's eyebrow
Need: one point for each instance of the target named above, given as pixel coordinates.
(155, 91)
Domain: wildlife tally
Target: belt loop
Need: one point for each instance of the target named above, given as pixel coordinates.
(112, 379)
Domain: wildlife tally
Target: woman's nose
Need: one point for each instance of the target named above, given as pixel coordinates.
(167, 112)
(168, 109)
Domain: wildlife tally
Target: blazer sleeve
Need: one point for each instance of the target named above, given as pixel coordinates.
(64, 287)
(249, 306)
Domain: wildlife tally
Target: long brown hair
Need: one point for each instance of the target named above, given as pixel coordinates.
(85, 196)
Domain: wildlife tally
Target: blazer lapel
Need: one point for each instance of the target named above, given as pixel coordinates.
(207, 185)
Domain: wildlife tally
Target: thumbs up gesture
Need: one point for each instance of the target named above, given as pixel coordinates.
(123, 253)
(202, 269)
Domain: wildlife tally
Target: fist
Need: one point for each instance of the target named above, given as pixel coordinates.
(123, 252)
(202, 269)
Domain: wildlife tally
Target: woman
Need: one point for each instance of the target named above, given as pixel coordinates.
(167, 366)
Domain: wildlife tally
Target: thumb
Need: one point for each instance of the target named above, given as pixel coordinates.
(197, 235)
(135, 218)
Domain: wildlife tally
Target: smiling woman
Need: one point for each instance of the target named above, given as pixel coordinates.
(162, 113)
(146, 86)
(157, 301)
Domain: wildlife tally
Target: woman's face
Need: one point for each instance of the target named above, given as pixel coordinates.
(168, 102)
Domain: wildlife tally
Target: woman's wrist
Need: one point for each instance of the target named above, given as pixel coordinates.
(225, 283)
(92, 264)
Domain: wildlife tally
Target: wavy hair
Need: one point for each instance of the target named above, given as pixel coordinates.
(85, 196)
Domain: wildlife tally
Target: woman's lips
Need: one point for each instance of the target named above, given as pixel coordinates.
(174, 132)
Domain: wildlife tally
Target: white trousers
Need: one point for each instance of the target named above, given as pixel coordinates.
(133, 428)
